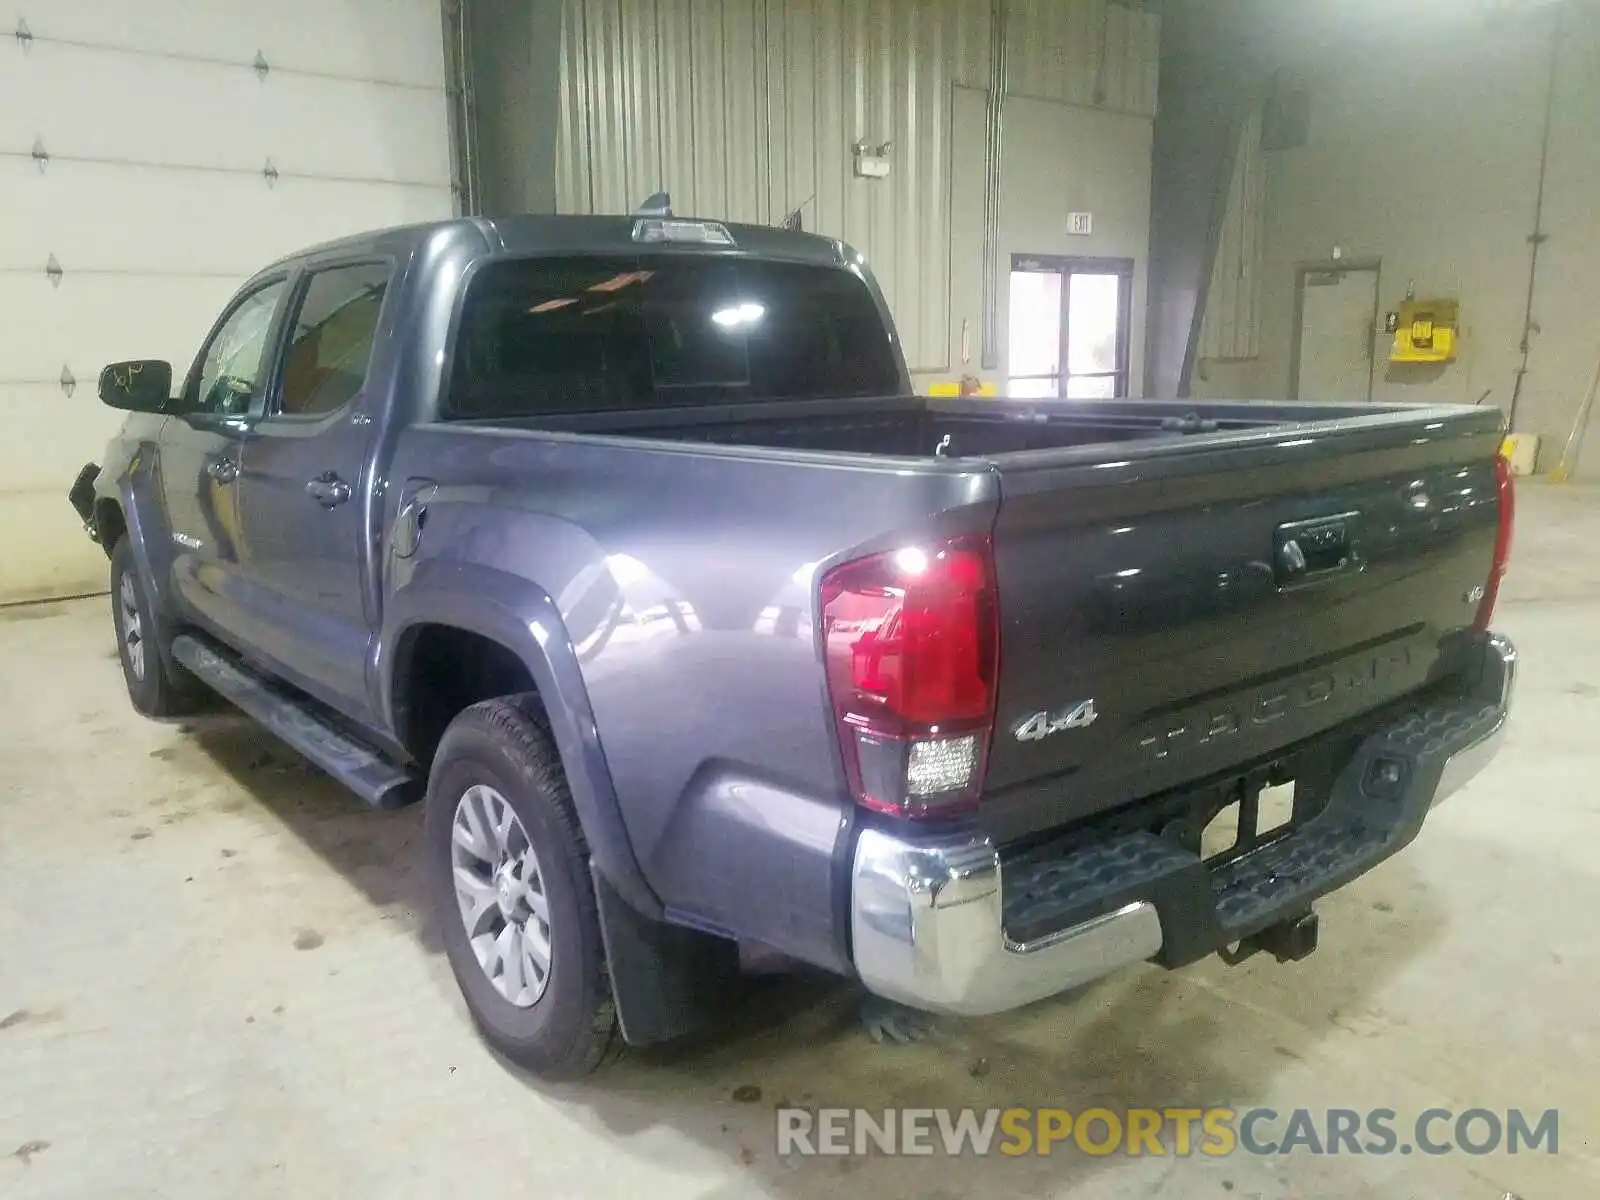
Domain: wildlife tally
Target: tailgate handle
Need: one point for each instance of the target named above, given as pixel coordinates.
(1316, 549)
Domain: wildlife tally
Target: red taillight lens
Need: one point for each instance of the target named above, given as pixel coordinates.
(911, 645)
(1506, 496)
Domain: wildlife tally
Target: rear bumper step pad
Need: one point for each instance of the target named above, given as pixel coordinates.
(1201, 906)
(942, 922)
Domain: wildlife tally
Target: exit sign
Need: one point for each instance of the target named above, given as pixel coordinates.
(1080, 224)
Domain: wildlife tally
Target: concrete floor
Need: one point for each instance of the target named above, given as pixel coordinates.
(214, 981)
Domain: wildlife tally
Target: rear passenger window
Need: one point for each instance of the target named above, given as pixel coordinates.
(552, 336)
(332, 340)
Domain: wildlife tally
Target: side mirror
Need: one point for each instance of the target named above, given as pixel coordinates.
(143, 385)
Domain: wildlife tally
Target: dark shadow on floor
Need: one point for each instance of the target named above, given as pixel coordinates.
(1142, 1038)
(378, 851)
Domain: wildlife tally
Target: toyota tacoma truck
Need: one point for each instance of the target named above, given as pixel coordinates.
(624, 544)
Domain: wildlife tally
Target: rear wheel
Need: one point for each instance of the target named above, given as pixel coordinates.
(155, 689)
(509, 872)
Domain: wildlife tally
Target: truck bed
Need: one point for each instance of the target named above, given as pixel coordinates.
(918, 426)
(1139, 567)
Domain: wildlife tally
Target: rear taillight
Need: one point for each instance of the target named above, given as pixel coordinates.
(1506, 497)
(912, 646)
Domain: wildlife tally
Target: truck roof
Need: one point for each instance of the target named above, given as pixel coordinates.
(538, 233)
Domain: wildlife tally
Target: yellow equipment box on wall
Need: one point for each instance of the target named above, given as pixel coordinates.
(1426, 331)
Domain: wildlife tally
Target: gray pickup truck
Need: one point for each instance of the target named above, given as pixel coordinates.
(625, 543)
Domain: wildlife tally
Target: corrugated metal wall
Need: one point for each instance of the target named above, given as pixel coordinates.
(1231, 325)
(748, 109)
(1085, 52)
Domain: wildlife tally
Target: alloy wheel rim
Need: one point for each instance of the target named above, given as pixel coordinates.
(132, 625)
(501, 896)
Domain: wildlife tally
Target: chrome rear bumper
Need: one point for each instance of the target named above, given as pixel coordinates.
(929, 931)
(1496, 683)
(928, 919)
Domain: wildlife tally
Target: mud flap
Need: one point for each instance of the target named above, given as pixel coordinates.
(81, 497)
(666, 980)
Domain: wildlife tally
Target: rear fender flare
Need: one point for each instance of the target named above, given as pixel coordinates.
(522, 617)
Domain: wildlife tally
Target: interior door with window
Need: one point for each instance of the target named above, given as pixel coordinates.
(1069, 327)
(224, 393)
(301, 523)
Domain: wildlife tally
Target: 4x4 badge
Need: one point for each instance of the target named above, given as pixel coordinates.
(1042, 724)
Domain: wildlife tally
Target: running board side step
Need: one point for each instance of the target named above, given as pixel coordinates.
(374, 778)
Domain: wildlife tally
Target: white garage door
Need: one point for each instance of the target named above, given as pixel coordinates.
(154, 154)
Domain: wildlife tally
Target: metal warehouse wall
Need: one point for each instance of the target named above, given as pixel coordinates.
(1230, 328)
(1452, 213)
(1446, 206)
(748, 109)
(153, 155)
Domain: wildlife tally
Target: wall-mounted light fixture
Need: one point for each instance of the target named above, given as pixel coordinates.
(872, 162)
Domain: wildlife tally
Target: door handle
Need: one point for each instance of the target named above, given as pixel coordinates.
(223, 469)
(328, 489)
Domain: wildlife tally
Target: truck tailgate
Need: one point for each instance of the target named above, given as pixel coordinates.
(1199, 605)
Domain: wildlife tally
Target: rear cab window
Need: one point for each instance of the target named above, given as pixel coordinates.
(558, 336)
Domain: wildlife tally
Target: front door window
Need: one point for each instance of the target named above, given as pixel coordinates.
(233, 365)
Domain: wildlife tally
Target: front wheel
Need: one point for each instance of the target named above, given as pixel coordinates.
(155, 689)
(509, 872)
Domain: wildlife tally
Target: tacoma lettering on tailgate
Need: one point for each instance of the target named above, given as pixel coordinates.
(1205, 724)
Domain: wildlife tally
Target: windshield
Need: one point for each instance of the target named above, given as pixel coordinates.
(556, 336)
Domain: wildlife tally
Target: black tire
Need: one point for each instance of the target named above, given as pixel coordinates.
(156, 689)
(571, 1028)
